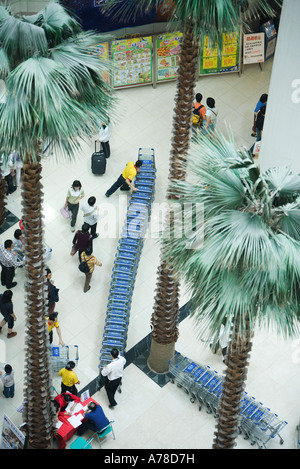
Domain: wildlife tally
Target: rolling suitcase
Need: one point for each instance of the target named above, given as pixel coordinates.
(98, 161)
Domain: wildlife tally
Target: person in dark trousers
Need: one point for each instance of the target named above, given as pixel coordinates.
(7, 311)
(261, 102)
(52, 292)
(113, 373)
(104, 136)
(125, 179)
(69, 378)
(8, 262)
(96, 420)
(91, 215)
(260, 119)
(82, 239)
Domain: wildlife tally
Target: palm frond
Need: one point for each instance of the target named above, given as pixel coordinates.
(4, 64)
(283, 183)
(20, 39)
(287, 220)
(4, 13)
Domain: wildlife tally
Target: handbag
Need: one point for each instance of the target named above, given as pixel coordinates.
(73, 250)
(65, 212)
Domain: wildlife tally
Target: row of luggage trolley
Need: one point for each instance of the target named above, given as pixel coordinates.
(127, 258)
(258, 423)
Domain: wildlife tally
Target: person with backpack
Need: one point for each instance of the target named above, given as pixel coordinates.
(52, 291)
(198, 114)
(199, 111)
(91, 261)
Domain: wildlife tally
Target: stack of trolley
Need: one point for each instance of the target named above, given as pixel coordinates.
(127, 258)
(204, 385)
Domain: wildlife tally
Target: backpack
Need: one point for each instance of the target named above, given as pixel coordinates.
(53, 294)
(196, 118)
(83, 267)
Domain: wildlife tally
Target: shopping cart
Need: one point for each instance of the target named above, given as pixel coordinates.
(60, 355)
(257, 423)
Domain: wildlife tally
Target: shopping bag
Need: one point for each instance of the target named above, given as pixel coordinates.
(65, 212)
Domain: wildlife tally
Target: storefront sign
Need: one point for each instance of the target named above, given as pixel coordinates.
(212, 60)
(132, 60)
(168, 47)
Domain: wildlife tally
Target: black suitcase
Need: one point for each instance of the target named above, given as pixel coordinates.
(98, 161)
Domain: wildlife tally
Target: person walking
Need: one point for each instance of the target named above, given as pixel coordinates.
(18, 244)
(74, 195)
(124, 181)
(8, 381)
(91, 215)
(82, 239)
(7, 311)
(69, 378)
(210, 118)
(86, 256)
(8, 262)
(104, 136)
(113, 373)
(199, 111)
(260, 103)
(52, 292)
(260, 119)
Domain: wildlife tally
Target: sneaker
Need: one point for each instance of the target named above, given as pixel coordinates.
(106, 194)
(96, 236)
(12, 334)
(72, 229)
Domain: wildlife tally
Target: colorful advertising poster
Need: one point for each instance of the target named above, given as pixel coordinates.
(101, 50)
(254, 48)
(11, 437)
(168, 55)
(132, 60)
(212, 60)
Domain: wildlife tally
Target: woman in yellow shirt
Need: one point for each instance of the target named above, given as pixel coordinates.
(69, 378)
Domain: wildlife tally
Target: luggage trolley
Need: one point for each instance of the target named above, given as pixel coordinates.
(60, 355)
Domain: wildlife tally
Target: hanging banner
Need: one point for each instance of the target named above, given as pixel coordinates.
(168, 48)
(212, 60)
(132, 60)
(254, 48)
(11, 437)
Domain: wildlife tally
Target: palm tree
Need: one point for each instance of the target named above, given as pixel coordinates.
(54, 90)
(196, 19)
(245, 270)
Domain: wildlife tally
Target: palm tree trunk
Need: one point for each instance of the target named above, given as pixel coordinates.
(37, 391)
(233, 389)
(166, 308)
(3, 186)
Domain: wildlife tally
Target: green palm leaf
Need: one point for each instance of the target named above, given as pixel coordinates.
(20, 39)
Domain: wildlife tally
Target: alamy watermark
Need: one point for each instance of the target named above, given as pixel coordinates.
(173, 220)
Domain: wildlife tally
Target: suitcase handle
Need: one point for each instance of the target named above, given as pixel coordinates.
(96, 146)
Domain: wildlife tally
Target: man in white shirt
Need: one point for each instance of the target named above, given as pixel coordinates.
(113, 373)
(91, 215)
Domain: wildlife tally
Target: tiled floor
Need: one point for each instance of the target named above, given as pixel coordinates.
(148, 415)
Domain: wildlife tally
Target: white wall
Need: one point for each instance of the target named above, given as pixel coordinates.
(281, 136)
